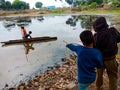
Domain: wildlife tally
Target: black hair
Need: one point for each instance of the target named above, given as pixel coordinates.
(87, 37)
(30, 32)
(22, 27)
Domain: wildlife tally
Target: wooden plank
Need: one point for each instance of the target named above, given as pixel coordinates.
(40, 39)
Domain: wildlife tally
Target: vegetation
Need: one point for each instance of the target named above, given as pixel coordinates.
(17, 4)
(69, 1)
(81, 4)
(57, 11)
(38, 4)
(93, 3)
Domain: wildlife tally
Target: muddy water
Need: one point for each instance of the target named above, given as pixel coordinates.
(16, 65)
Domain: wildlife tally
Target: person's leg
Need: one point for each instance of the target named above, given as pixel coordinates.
(112, 71)
(99, 79)
(83, 86)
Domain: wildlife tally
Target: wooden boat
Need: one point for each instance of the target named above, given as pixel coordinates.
(35, 39)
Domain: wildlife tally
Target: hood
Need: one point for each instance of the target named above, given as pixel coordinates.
(100, 24)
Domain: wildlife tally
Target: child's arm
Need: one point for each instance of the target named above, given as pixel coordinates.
(72, 47)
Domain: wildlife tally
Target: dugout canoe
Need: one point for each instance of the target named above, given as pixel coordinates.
(35, 39)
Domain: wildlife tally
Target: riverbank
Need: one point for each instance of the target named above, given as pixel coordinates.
(33, 12)
(60, 78)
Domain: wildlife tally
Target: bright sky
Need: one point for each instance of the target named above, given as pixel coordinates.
(57, 3)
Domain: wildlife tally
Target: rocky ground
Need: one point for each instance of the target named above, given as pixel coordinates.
(60, 78)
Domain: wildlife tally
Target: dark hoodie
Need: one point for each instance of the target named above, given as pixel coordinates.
(106, 38)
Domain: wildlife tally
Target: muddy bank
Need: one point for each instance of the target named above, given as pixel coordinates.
(60, 78)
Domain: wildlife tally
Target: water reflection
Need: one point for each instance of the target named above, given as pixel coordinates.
(28, 47)
(19, 21)
(86, 21)
(23, 21)
(40, 18)
(9, 24)
(72, 21)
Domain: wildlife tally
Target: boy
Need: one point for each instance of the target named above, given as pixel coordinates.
(88, 59)
(28, 35)
(24, 33)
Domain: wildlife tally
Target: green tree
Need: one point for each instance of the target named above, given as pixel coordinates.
(76, 3)
(17, 4)
(97, 1)
(105, 1)
(69, 2)
(8, 5)
(2, 4)
(93, 5)
(38, 4)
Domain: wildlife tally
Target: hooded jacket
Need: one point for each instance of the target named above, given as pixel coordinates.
(106, 38)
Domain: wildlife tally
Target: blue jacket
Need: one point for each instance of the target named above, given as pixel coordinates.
(87, 59)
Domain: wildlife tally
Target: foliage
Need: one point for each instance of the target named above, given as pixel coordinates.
(105, 1)
(93, 5)
(38, 4)
(83, 6)
(113, 6)
(2, 4)
(57, 11)
(97, 1)
(76, 3)
(17, 4)
(8, 5)
(69, 2)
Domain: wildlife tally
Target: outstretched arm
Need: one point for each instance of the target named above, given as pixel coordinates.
(72, 47)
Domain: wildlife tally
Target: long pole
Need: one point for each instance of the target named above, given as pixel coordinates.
(66, 51)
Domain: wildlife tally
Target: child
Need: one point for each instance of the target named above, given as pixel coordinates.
(88, 59)
(28, 35)
(24, 33)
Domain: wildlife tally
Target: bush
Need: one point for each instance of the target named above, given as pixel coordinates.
(93, 5)
(83, 7)
(57, 11)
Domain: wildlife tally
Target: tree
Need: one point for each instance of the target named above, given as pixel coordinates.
(38, 4)
(97, 1)
(2, 4)
(76, 3)
(17, 4)
(8, 5)
(105, 1)
(93, 5)
(69, 2)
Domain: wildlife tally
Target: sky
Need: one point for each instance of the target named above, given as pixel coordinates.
(57, 3)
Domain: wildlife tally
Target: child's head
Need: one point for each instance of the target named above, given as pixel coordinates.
(30, 32)
(22, 27)
(86, 37)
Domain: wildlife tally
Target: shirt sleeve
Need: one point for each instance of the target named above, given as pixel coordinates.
(72, 47)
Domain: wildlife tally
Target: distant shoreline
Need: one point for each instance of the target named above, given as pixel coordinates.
(59, 11)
